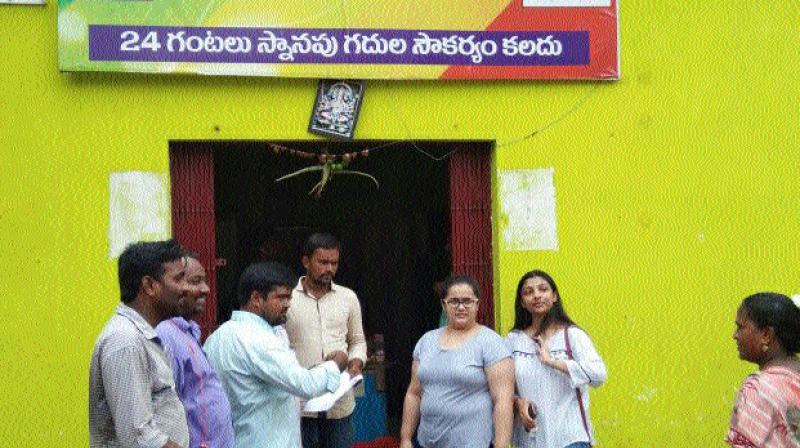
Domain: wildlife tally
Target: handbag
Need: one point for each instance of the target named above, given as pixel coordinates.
(577, 390)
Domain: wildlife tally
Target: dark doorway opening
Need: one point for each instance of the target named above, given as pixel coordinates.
(395, 238)
(430, 216)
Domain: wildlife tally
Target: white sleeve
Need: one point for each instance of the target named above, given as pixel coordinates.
(276, 364)
(586, 366)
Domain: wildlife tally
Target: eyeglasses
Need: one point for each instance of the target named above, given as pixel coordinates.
(466, 302)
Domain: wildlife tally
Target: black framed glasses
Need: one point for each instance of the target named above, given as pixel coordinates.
(466, 302)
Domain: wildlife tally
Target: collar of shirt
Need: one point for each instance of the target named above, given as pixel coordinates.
(137, 320)
(302, 288)
(247, 316)
(189, 327)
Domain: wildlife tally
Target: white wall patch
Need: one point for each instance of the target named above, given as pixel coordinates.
(138, 209)
(566, 3)
(528, 209)
(647, 393)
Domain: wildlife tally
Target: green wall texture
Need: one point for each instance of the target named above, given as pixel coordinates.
(677, 195)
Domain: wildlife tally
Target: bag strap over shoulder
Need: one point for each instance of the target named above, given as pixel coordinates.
(577, 390)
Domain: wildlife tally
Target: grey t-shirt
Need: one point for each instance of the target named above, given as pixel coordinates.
(456, 408)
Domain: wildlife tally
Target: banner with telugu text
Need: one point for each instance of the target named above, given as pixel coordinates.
(356, 39)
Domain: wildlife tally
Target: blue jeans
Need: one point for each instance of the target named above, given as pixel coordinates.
(579, 445)
(327, 433)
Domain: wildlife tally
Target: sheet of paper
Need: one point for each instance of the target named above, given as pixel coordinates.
(326, 401)
(139, 209)
(528, 209)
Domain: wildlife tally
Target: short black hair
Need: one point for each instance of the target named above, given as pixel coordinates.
(457, 279)
(772, 309)
(144, 259)
(320, 241)
(264, 277)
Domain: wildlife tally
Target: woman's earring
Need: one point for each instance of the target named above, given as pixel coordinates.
(764, 348)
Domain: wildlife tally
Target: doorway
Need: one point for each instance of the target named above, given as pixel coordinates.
(429, 216)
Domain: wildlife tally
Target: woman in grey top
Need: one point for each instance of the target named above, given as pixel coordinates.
(462, 380)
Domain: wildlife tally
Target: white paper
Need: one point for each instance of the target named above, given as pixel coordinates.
(528, 210)
(138, 209)
(325, 402)
(566, 3)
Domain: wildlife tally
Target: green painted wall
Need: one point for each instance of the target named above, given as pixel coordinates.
(677, 194)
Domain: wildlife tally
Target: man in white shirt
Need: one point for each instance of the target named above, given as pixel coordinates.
(260, 373)
(326, 317)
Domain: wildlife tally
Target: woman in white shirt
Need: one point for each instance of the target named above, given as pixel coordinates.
(555, 363)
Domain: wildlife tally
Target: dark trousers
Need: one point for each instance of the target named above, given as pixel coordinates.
(327, 433)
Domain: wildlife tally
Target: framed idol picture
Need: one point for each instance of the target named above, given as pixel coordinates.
(336, 108)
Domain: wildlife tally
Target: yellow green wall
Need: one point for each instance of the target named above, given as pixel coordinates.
(677, 189)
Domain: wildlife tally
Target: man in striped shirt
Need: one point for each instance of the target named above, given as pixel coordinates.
(132, 399)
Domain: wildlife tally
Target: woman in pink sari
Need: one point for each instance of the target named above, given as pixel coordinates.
(767, 409)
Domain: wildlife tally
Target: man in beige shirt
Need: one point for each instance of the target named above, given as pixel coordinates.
(325, 317)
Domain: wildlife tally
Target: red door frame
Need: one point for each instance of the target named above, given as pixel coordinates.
(194, 220)
(471, 221)
(193, 217)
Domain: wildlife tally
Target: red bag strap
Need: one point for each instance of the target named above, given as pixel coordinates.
(577, 390)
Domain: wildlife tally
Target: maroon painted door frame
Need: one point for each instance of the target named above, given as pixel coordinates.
(193, 217)
(471, 221)
(194, 225)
